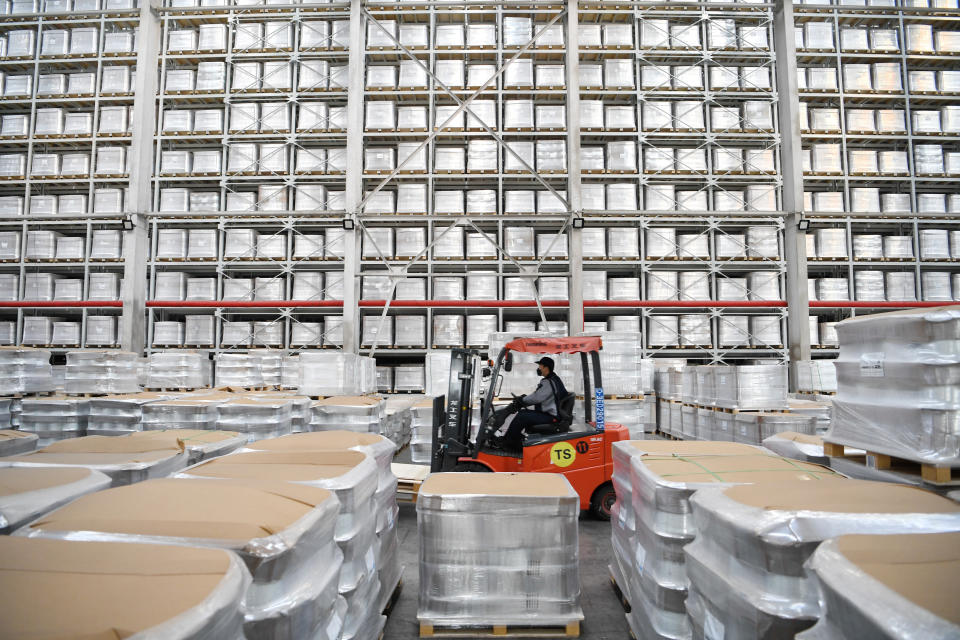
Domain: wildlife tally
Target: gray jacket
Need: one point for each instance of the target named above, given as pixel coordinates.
(543, 395)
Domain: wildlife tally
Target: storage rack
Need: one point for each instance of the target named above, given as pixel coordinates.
(353, 24)
(831, 38)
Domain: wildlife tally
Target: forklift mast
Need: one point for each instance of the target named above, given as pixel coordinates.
(451, 419)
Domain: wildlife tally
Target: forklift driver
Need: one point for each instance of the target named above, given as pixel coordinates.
(545, 400)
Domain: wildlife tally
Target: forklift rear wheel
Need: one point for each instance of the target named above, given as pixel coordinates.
(602, 501)
(471, 467)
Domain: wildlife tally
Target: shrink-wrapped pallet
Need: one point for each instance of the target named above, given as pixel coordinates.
(256, 417)
(934, 244)
(125, 460)
(479, 328)
(899, 247)
(816, 375)
(751, 387)
(533, 503)
(239, 370)
(25, 370)
(54, 418)
(694, 285)
(663, 331)
(281, 602)
(448, 331)
(652, 521)
(888, 586)
(892, 398)
(900, 285)
(694, 329)
(868, 285)
(364, 414)
(753, 427)
(733, 592)
(335, 373)
(764, 285)
(14, 442)
(765, 331)
(108, 371)
(835, 289)
(106, 582)
(936, 286)
(662, 285)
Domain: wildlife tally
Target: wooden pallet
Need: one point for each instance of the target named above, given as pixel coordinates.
(620, 595)
(570, 630)
(409, 479)
(394, 597)
(929, 473)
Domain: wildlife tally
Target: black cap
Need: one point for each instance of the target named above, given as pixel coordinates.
(547, 362)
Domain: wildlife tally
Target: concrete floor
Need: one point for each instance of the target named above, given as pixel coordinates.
(604, 617)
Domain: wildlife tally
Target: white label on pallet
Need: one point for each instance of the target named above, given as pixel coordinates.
(641, 555)
(871, 365)
(712, 627)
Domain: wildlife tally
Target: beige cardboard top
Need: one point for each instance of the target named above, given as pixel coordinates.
(350, 401)
(757, 467)
(800, 403)
(184, 437)
(848, 496)
(497, 484)
(318, 441)
(99, 590)
(10, 434)
(92, 459)
(14, 480)
(143, 396)
(693, 447)
(421, 404)
(141, 443)
(282, 466)
(802, 438)
(258, 402)
(206, 509)
(923, 568)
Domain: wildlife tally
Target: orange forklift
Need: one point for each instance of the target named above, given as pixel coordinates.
(583, 455)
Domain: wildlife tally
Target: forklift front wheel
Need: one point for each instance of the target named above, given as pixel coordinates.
(473, 467)
(602, 501)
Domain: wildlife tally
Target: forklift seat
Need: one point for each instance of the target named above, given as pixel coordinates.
(564, 419)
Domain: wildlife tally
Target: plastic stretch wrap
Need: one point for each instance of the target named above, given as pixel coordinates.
(883, 586)
(694, 329)
(936, 286)
(747, 578)
(751, 387)
(753, 428)
(36, 492)
(178, 370)
(54, 418)
(124, 460)
(119, 414)
(900, 285)
(532, 523)
(898, 247)
(894, 394)
(336, 374)
(25, 370)
(652, 522)
(110, 371)
(817, 375)
(294, 589)
(663, 331)
(934, 244)
(868, 285)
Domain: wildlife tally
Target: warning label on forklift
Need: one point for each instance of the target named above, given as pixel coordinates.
(563, 454)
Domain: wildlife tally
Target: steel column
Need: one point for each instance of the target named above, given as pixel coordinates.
(136, 248)
(795, 244)
(575, 314)
(353, 195)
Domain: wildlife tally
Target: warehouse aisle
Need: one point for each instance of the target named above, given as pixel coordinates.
(604, 615)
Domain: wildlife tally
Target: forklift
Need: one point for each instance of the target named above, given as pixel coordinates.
(583, 455)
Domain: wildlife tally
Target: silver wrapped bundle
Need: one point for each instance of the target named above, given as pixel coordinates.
(107, 371)
(382, 450)
(115, 415)
(31, 493)
(754, 427)
(663, 477)
(238, 370)
(936, 285)
(408, 378)
(295, 569)
(258, 417)
(868, 285)
(751, 387)
(626, 373)
(421, 431)
(901, 285)
(125, 461)
(14, 442)
(190, 412)
(695, 329)
(521, 529)
(895, 375)
(352, 476)
(888, 587)
(816, 375)
(336, 373)
(747, 577)
(25, 370)
(92, 589)
(178, 370)
(797, 446)
(900, 247)
(353, 413)
(54, 418)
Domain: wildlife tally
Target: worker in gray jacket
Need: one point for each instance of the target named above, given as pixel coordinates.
(544, 402)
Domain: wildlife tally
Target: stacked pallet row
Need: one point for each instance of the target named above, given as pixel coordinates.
(331, 497)
(879, 108)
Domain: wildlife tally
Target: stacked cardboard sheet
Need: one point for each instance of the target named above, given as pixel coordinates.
(94, 589)
(498, 549)
(14, 442)
(124, 460)
(283, 533)
(199, 444)
(26, 494)
(352, 477)
(747, 577)
(382, 451)
(892, 587)
(897, 377)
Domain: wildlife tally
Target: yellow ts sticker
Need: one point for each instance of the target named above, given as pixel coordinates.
(563, 454)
